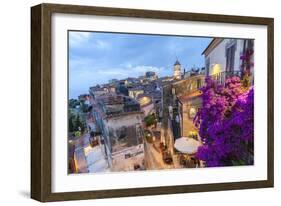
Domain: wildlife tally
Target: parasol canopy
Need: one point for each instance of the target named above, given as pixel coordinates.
(187, 145)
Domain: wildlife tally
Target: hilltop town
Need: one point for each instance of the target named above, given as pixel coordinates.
(139, 123)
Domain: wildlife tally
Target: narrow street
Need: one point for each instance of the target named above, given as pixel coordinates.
(153, 158)
(79, 155)
(87, 158)
(95, 159)
(80, 161)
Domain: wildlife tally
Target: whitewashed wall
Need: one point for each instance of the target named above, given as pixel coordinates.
(218, 55)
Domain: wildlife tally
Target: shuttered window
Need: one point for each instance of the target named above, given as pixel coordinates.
(230, 55)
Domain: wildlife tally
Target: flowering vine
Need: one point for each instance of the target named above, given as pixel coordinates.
(226, 124)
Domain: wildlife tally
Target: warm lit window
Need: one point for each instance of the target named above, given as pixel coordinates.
(192, 112)
(198, 83)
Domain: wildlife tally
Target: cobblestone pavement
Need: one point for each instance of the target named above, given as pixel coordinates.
(153, 158)
(79, 154)
(87, 158)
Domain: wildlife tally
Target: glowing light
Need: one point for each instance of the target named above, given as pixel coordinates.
(192, 112)
(87, 150)
(216, 69)
(144, 101)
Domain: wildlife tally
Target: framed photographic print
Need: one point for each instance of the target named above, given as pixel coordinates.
(129, 102)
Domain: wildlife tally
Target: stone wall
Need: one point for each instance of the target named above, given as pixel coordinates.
(187, 124)
(124, 131)
(166, 102)
(189, 85)
(171, 92)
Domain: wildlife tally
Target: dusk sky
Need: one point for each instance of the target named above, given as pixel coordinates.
(96, 57)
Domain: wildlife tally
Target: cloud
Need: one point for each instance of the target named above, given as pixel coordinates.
(97, 57)
(77, 39)
(85, 40)
(89, 75)
(129, 71)
(143, 68)
(101, 44)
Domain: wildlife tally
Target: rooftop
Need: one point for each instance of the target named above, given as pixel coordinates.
(213, 44)
(177, 63)
(144, 99)
(97, 88)
(110, 99)
(113, 104)
(136, 88)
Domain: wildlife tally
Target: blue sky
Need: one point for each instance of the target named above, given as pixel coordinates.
(96, 57)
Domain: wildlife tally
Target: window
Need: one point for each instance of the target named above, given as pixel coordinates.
(198, 83)
(230, 54)
(173, 91)
(128, 155)
(122, 133)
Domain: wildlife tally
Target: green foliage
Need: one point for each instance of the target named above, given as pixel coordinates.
(70, 123)
(75, 123)
(238, 162)
(148, 136)
(77, 134)
(78, 124)
(246, 81)
(83, 107)
(193, 134)
(73, 103)
(150, 120)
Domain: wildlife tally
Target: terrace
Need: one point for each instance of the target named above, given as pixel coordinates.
(220, 77)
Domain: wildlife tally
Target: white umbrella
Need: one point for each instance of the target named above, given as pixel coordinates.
(187, 145)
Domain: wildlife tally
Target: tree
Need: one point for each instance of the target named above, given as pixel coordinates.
(150, 120)
(70, 123)
(83, 107)
(226, 124)
(72, 103)
(78, 125)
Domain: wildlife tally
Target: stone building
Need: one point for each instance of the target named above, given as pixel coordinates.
(222, 58)
(97, 91)
(180, 102)
(135, 91)
(119, 119)
(150, 75)
(177, 70)
(146, 104)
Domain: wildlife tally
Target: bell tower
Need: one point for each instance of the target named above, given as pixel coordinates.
(177, 70)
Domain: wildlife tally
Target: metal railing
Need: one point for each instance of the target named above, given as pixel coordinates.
(222, 76)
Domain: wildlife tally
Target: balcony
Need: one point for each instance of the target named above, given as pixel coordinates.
(222, 76)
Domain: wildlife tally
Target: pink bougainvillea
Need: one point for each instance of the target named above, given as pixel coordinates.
(226, 123)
